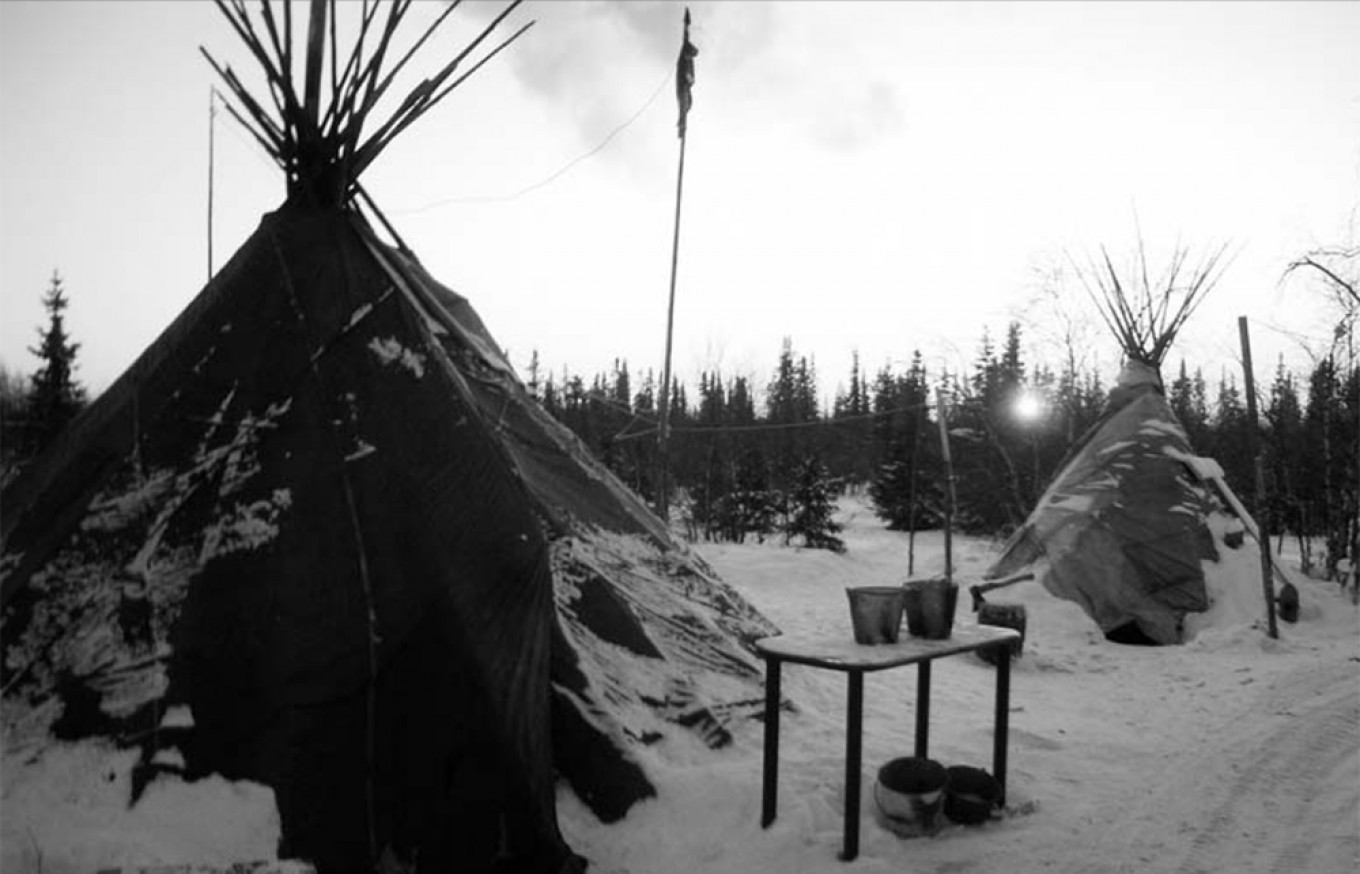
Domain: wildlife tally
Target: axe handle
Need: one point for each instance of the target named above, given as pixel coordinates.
(978, 590)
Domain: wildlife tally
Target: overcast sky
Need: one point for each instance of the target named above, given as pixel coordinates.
(880, 176)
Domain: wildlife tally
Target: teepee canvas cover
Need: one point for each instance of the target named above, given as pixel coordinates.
(1123, 528)
(320, 536)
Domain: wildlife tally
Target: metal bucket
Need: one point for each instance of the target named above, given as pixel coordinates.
(875, 613)
(930, 607)
(910, 793)
(971, 795)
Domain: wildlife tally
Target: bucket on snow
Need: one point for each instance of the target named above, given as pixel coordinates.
(910, 793)
(971, 795)
(875, 613)
(930, 607)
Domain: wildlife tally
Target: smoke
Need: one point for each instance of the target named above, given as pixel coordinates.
(597, 61)
(594, 63)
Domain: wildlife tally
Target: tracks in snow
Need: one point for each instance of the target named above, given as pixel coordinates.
(1281, 779)
(1259, 793)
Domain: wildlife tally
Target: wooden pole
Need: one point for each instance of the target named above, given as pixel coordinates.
(316, 49)
(950, 497)
(684, 81)
(1262, 507)
(911, 500)
(663, 404)
(212, 114)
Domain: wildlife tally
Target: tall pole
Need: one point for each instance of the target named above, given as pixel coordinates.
(664, 405)
(212, 112)
(951, 498)
(1262, 507)
(684, 82)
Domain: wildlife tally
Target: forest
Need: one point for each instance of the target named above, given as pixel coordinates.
(752, 459)
(756, 460)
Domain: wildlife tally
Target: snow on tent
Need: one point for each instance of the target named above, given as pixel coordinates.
(1124, 528)
(320, 537)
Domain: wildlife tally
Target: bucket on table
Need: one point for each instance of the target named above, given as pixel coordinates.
(910, 793)
(875, 613)
(929, 605)
(1004, 616)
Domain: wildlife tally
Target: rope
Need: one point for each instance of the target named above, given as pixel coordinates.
(722, 429)
(552, 177)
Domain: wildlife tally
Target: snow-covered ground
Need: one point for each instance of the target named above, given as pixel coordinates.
(1234, 753)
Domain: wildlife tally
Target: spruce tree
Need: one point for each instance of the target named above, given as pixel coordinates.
(812, 504)
(55, 397)
(750, 506)
(1284, 418)
(13, 405)
(1229, 442)
(535, 385)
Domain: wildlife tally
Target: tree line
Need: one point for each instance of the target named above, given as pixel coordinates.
(742, 453)
(755, 460)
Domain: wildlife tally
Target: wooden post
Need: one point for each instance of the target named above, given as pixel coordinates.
(950, 497)
(316, 47)
(911, 501)
(1262, 508)
(212, 114)
(664, 400)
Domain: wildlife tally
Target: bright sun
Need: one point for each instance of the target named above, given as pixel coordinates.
(1028, 407)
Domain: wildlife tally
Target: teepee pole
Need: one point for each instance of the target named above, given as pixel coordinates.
(684, 81)
(663, 400)
(212, 115)
(1262, 508)
(316, 49)
(950, 496)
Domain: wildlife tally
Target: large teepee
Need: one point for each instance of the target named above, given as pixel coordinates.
(319, 536)
(1123, 528)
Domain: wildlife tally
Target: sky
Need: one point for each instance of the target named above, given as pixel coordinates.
(859, 177)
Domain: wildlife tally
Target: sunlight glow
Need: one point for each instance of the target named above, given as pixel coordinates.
(1028, 407)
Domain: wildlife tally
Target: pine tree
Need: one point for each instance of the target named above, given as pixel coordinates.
(741, 404)
(1329, 466)
(1187, 400)
(852, 434)
(55, 397)
(790, 399)
(1230, 438)
(1284, 419)
(535, 387)
(13, 404)
(812, 504)
(751, 506)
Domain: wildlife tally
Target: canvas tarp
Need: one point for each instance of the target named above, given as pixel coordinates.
(318, 536)
(1122, 527)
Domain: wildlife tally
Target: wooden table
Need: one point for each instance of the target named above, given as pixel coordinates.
(843, 654)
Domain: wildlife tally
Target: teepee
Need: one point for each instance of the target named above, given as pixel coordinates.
(1123, 528)
(319, 535)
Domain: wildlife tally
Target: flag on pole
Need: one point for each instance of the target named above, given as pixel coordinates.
(684, 76)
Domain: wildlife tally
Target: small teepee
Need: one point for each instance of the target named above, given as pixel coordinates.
(319, 536)
(1122, 530)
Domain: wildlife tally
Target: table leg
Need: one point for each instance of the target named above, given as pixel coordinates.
(854, 724)
(770, 783)
(1003, 717)
(923, 709)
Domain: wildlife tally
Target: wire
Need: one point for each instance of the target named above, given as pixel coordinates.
(823, 422)
(555, 175)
